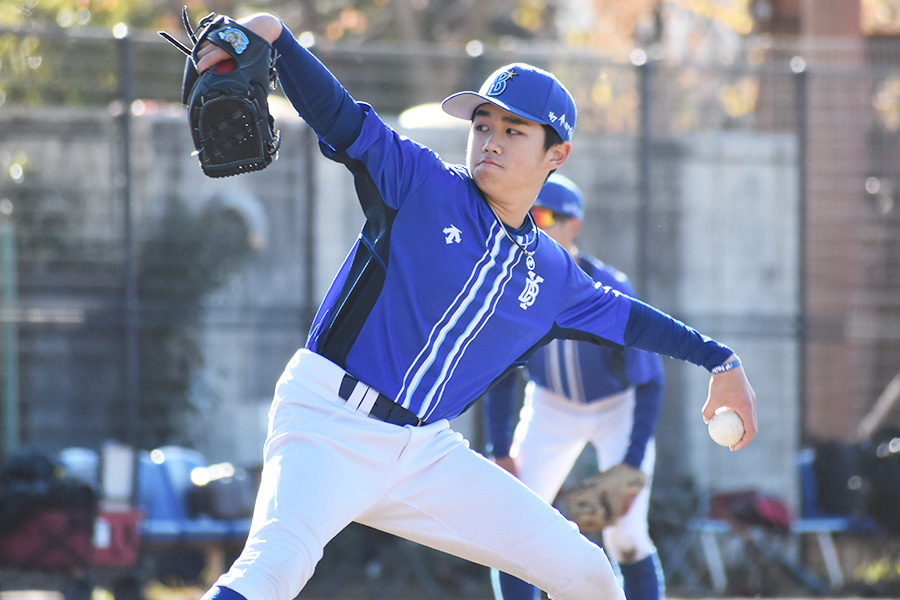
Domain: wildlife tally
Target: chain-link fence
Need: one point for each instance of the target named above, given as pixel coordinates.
(111, 293)
(141, 301)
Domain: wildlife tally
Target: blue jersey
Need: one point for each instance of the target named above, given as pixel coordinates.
(434, 301)
(585, 373)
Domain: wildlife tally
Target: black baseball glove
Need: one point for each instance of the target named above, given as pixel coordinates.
(228, 107)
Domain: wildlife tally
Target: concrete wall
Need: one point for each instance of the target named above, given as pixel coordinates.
(723, 254)
(739, 254)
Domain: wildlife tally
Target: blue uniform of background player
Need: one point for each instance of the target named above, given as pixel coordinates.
(577, 393)
(449, 283)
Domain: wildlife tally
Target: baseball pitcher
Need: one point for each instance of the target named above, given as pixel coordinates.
(417, 324)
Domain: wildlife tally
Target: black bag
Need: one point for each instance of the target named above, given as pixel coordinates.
(32, 481)
(225, 498)
(839, 473)
(883, 471)
(46, 518)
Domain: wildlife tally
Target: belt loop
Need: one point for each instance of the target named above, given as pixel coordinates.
(348, 384)
(367, 401)
(374, 404)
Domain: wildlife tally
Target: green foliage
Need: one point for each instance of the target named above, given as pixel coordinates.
(189, 255)
(141, 14)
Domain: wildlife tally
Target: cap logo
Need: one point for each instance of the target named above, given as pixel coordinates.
(562, 122)
(499, 84)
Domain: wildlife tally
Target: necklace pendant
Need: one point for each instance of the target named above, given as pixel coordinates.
(512, 238)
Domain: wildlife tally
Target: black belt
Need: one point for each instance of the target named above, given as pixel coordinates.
(384, 408)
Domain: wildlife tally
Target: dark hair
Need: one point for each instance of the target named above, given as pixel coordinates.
(551, 137)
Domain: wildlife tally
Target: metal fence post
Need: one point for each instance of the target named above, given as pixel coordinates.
(801, 108)
(640, 60)
(9, 283)
(131, 301)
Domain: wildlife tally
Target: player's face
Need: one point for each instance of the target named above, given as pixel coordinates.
(506, 155)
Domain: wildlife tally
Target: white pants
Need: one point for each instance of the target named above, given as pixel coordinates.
(552, 433)
(326, 465)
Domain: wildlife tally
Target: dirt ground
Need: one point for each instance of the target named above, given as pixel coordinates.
(373, 566)
(349, 593)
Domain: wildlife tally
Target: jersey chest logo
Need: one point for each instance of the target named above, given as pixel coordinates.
(531, 291)
(452, 234)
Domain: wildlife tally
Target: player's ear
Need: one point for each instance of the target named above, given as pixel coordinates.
(558, 154)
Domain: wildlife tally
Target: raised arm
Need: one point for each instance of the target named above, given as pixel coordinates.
(313, 90)
(266, 26)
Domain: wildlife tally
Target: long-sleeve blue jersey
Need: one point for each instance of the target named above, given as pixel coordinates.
(434, 302)
(585, 373)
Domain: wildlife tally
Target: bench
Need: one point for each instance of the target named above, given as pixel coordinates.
(164, 486)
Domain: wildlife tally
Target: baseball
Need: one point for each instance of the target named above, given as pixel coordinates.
(726, 427)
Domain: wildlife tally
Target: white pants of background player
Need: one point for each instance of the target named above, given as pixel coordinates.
(326, 464)
(551, 434)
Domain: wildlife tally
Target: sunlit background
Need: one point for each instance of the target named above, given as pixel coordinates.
(740, 159)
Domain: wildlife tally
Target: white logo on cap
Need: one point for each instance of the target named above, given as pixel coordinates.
(562, 122)
(499, 85)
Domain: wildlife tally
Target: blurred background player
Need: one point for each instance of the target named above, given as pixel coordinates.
(578, 392)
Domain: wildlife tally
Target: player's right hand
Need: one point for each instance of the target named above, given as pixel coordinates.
(732, 389)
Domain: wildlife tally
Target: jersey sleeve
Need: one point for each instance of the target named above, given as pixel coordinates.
(641, 366)
(316, 94)
(498, 406)
(647, 403)
(650, 329)
(401, 168)
(590, 311)
(643, 370)
(352, 131)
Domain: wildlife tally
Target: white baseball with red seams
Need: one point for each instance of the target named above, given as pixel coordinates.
(726, 428)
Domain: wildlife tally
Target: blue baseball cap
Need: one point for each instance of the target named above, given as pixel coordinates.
(523, 90)
(560, 194)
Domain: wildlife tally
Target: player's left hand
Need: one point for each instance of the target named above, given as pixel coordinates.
(732, 389)
(264, 25)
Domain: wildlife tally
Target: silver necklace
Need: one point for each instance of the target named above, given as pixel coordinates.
(537, 238)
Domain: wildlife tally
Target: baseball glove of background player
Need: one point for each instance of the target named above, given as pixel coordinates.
(600, 500)
(228, 106)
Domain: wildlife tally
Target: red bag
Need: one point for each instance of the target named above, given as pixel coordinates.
(52, 539)
(750, 507)
(117, 538)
